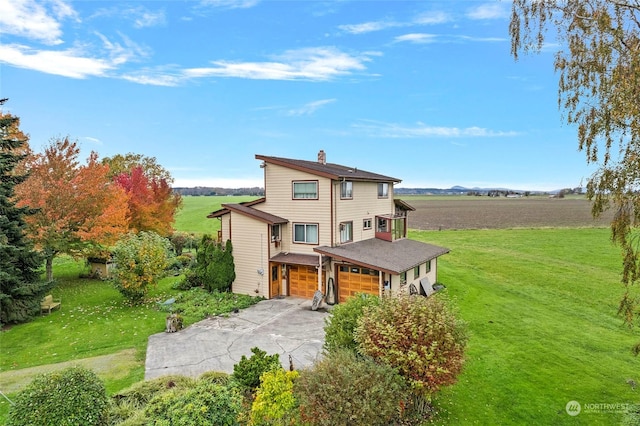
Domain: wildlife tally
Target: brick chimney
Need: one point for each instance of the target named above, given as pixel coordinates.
(322, 157)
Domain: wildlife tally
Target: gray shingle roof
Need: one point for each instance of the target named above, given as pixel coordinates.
(328, 170)
(392, 257)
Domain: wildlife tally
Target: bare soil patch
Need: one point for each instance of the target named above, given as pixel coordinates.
(499, 213)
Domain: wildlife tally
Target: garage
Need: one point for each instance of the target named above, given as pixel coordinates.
(354, 279)
(303, 281)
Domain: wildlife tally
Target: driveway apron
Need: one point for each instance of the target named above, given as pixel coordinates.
(284, 326)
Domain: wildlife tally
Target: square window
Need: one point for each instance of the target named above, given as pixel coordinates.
(306, 233)
(366, 224)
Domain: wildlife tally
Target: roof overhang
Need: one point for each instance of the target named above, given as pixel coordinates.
(256, 214)
(297, 259)
(392, 257)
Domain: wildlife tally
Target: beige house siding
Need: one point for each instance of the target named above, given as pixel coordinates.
(364, 205)
(250, 256)
(279, 201)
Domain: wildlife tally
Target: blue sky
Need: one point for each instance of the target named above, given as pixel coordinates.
(423, 91)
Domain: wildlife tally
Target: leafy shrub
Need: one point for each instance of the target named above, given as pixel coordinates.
(73, 396)
(275, 403)
(214, 268)
(197, 303)
(180, 240)
(342, 322)
(216, 377)
(345, 389)
(128, 406)
(247, 371)
(206, 403)
(141, 259)
(419, 336)
(142, 392)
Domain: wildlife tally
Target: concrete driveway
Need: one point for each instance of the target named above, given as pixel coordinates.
(284, 326)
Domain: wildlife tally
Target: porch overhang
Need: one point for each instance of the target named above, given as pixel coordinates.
(393, 257)
(296, 259)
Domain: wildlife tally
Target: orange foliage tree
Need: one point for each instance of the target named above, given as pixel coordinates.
(152, 202)
(80, 211)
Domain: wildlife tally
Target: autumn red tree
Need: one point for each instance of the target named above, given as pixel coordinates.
(152, 202)
(80, 210)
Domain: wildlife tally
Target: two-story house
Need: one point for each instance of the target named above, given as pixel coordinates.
(327, 227)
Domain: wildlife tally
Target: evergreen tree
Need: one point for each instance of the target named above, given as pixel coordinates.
(20, 287)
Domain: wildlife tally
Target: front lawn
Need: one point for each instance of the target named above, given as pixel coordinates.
(95, 320)
(541, 306)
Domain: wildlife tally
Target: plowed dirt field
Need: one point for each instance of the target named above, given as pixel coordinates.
(470, 212)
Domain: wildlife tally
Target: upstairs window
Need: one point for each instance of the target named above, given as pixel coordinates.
(383, 190)
(275, 232)
(306, 233)
(346, 232)
(346, 190)
(305, 190)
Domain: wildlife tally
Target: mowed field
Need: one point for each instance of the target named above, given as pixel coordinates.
(468, 212)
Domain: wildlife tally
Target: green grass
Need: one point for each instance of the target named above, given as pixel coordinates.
(96, 320)
(192, 218)
(541, 307)
(540, 303)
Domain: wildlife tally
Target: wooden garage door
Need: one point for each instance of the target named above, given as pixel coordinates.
(353, 280)
(303, 281)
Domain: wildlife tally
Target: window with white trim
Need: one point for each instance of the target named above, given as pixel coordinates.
(306, 233)
(346, 190)
(366, 224)
(306, 190)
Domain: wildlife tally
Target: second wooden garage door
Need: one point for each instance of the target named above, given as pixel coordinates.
(353, 280)
(303, 281)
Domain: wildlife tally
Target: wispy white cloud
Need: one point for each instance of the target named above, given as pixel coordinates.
(417, 38)
(92, 140)
(68, 63)
(35, 20)
(422, 38)
(420, 130)
(139, 16)
(310, 108)
(432, 18)
(427, 18)
(483, 39)
(313, 64)
(488, 11)
(231, 4)
(159, 76)
(368, 27)
(75, 62)
(143, 18)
